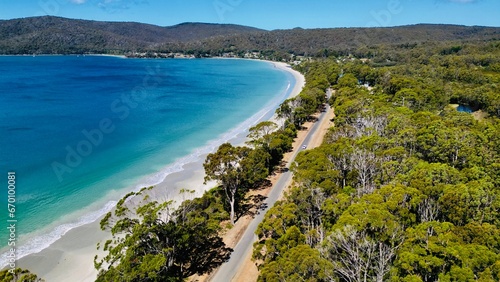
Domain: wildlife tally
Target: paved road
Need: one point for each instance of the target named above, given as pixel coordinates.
(229, 269)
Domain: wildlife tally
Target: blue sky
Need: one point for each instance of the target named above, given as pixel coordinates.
(270, 14)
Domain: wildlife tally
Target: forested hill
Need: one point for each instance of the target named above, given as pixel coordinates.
(49, 34)
(316, 42)
(68, 36)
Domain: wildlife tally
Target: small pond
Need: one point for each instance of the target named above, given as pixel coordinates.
(465, 109)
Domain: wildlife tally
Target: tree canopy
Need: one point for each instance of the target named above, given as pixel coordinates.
(404, 187)
(18, 275)
(159, 243)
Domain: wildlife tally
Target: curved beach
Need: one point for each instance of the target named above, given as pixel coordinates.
(71, 257)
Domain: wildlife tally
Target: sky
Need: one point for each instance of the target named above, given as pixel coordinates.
(265, 14)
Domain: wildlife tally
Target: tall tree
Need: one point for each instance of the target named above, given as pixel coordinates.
(225, 167)
(365, 163)
(260, 134)
(18, 275)
(353, 254)
(155, 242)
(301, 263)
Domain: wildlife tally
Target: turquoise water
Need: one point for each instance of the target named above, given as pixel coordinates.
(81, 131)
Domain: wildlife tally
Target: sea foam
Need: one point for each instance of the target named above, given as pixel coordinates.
(38, 243)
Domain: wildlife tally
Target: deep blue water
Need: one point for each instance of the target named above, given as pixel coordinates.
(79, 131)
(464, 109)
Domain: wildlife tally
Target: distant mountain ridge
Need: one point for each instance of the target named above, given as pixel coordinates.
(56, 35)
(50, 34)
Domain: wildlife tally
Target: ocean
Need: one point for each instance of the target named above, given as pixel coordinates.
(79, 132)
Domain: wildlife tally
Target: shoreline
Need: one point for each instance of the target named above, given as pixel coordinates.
(49, 55)
(70, 258)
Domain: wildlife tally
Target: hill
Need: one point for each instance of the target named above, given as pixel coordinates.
(69, 36)
(51, 35)
(311, 41)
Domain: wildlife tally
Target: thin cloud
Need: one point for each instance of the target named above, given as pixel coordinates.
(457, 2)
(463, 1)
(113, 6)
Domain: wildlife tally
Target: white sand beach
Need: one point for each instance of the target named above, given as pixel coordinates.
(71, 257)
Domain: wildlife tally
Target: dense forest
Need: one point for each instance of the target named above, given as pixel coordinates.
(405, 187)
(55, 35)
(286, 44)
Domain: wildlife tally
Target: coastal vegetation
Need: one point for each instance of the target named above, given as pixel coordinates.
(404, 187)
(160, 241)
(155, 241)
(18, 275)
